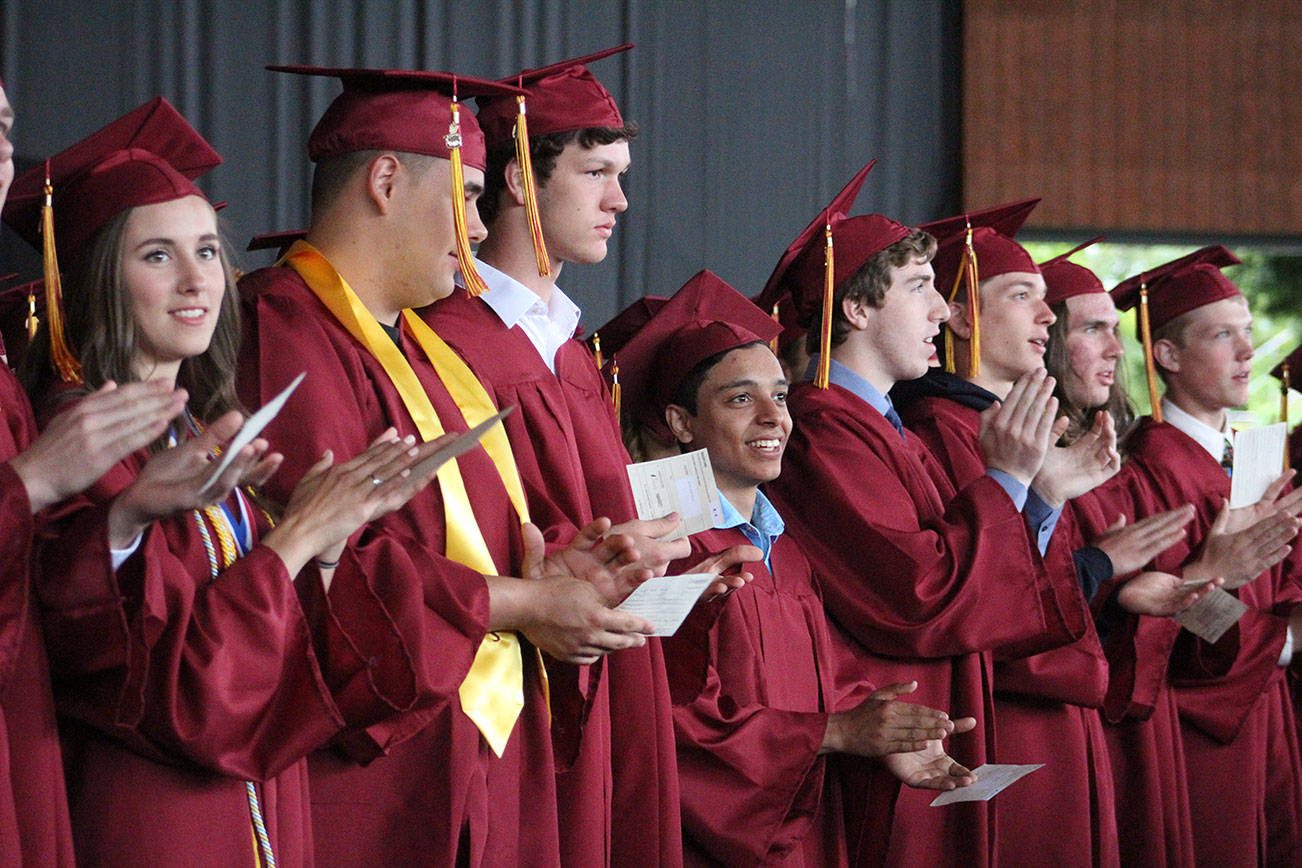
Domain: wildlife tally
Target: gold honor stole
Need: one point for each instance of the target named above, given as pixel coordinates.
(492, 694)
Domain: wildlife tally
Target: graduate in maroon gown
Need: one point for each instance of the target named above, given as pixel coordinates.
(469, 780)
(1051, 698)
(757, 708)
(928, 581)
(617, 785)
(1237, 722)
(184, 669)
(35, 473)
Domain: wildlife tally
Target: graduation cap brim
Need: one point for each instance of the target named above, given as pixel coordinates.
(384, 80)
(150, 154)
(529, 76)
(841, 204)
(1065, 279)
(275, 240)
(1126, 294)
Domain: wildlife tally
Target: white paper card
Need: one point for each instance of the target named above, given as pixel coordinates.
(681, 483)
(1258, 461)
(1210, 617)
(666, 600)
(253, 427)
(992, 779)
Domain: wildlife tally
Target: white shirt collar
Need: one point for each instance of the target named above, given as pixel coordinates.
(547, 325)
(1200, 432)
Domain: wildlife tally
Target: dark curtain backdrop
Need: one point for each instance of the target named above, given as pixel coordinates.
(753, 112)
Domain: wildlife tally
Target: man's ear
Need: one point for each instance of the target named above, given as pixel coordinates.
(680, 423)
(515, 182)
(381, 180)
(856, 312)
(1166, 354)
(958, 322)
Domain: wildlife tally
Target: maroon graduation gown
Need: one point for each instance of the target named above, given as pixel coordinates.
(927, 582)
(34, 827)
(1046, 705)
(619, 774)
(753, 679)
(1236, 714)
(175, 688)
(424, 785)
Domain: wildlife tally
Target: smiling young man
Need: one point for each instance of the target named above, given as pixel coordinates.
(928, 580)
(421, 601)
(617, 779)
(758, 710)
(1237, 722)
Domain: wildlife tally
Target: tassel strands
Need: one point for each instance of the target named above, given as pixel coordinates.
(824, 372)
(1150, 369)
(525, 162)
(596, 350)
(33, 322)
(967, 275)
(614, 386)
(469, 275)
(65, 363)
(773, 344)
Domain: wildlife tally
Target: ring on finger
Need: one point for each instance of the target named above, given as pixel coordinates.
(375, 480)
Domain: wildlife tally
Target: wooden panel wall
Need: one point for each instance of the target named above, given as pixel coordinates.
(1146, 116)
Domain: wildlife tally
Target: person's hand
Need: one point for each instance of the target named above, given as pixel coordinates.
(82, 443)
(929, 769)
(881, 725)
(1015, 432)
(648, 538)
(719, 563)
(1161, 594)
(1070, 471)
(1130, 547)
(1272, 501)
(610, 562)
(1240, 556)
(565, 617)
(332, 501)
(175, 480)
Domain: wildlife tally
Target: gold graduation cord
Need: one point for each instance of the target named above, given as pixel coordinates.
(1150, 369)
(492, 694)
(596, 349)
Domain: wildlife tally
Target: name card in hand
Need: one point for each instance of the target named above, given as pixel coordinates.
(992, 779)
(683, 484)
(1258, 457)
(252, 428)
(1210, 617)
(666, 600)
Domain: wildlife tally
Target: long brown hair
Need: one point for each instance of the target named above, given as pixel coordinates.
(1058, 363)
(105, 338)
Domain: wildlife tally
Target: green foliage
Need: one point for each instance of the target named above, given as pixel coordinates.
(1272, 284)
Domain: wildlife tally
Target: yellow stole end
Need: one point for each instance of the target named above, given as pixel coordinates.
(492, 694)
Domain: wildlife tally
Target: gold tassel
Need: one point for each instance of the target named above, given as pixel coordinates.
(967, 274)
(614, 386)
(65, 363)
(33, 322)
(773, 344)
(596, 349)
(824, 372)
(1150, 369)
(525, 162)
(469, 275)
(974, 305)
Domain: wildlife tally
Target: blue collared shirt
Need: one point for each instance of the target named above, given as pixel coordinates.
(1038, 514)
(763, 528)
